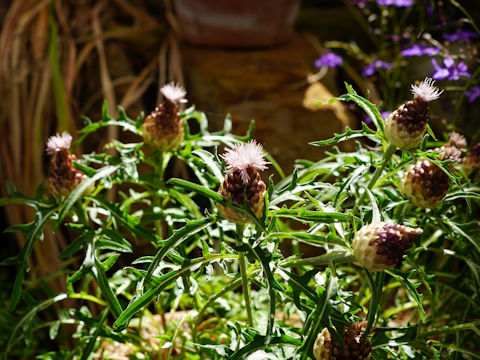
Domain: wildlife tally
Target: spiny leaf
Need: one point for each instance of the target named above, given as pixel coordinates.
(349, 134)
(80, 189)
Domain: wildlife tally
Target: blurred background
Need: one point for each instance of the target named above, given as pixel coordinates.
(60, 60)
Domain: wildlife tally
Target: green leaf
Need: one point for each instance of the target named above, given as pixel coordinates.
(376, 292)
(76, 245)
(35, 233)
(80, 189)
(261, 342)
(461, 195)
(91, 343)
(27, 318)
(107, 292)
(312, 216)
(456, 229)
(347, 135)
(411, 288)
(135, 229)
(208, 159)
(138, 303)
(175, 240)
(198, 189)
(102, 244)
(376, 215)
(320, 316)
(367, 106)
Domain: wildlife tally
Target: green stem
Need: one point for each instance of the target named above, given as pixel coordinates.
(385, 159)
(326, 259)
(376, 292)
(157, 201)
(243, 272)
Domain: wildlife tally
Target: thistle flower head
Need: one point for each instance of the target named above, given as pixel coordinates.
(355, 346)
(457, 140)
(58, 142)
(378, 246)
(174, 93)
(243, 157)
(449, 153)
(426, 91)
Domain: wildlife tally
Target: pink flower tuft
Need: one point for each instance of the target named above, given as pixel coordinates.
(174, 93)
(244, 156)
(426, 91)
(457, 140)
(58, 142)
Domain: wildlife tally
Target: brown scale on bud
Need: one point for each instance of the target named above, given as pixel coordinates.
(425, 184)
(380, 246)
(406, 126)
(234, 188)
(163, 128)
(356, 347)
(471, 161)
(63, 176)
(242, 181)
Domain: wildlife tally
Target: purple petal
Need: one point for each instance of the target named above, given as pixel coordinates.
(448, 62)
(414, 50)
(329, 59)
(473, 93)
(403, 3)
(431, 51)
(368, 70)
(440, 74)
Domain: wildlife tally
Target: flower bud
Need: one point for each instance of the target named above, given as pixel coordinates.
(406, 126)
(425, 184)
(356, 347)
(471, 161)
(163, 128)
(380, 246)
(242, 180)
(63, 177)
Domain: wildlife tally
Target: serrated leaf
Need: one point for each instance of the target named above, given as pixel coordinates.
(28, 318)
(208, 159)
(35, 233)
(367, 106)
(139, 302)
(102, 244)
(312, 216)
(80, 189)
(347, 135)
(409, 286)
(176, 239)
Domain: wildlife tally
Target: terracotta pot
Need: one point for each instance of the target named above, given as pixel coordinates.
(236, 23)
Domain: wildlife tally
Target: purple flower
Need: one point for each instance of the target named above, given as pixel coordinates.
(329, 59)
(369, 70)
(473, 93)
(385, 114)
(463, 35)
(397, 3)
(450, 71)
(419, 50)
(430, 10)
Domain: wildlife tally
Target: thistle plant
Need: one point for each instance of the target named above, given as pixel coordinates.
(332, 261)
